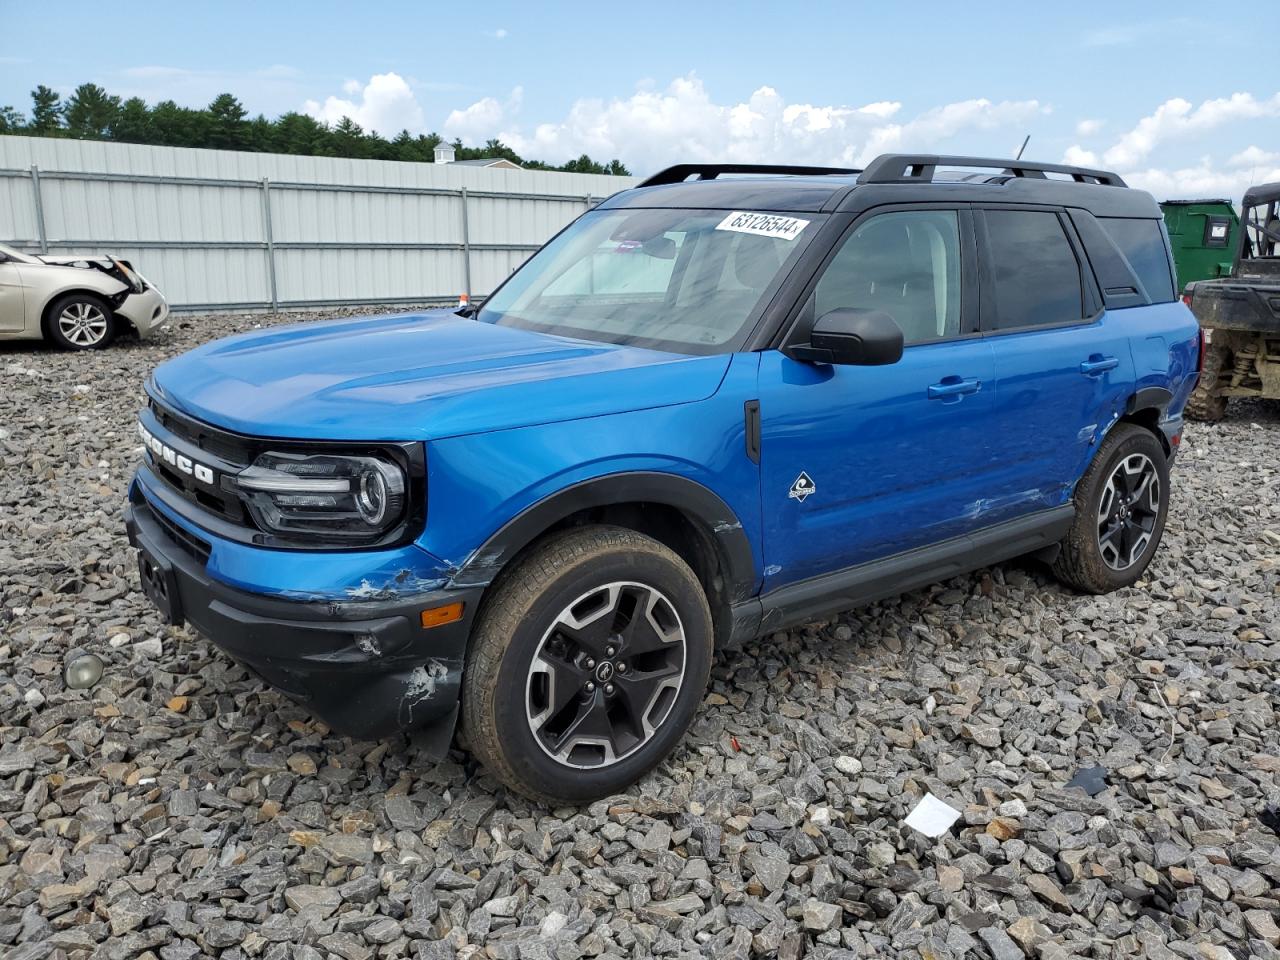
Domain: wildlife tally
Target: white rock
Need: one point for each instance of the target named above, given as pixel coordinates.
(849, 766)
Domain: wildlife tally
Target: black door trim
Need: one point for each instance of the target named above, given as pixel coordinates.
(876, 579)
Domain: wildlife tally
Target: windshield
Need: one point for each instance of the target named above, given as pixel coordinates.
(690, 281)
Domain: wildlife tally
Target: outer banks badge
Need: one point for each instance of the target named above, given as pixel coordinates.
(803, 487)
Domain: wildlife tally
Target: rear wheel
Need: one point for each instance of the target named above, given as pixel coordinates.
(587, 665)
(1206, 403)
(1121, 503)
(81, 321)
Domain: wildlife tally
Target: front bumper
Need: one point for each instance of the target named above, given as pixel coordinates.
(148, 311)
(368, 669)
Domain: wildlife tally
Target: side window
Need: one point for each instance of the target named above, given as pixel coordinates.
(1143, 246)
(906, 264)
(1037, 277)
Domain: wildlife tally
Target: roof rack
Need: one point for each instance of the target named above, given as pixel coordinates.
(915, 167)
(709, 171)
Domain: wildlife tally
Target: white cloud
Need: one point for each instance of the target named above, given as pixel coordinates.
(1177, 118)
(1201, 180)
(1178, 121)
(385, 104)
(1114, 36)
(1252, 156)
(656, 126)
(477, 123)
(499, 34)
(1079, 157)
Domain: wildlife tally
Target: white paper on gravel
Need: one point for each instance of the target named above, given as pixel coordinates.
(932, 817)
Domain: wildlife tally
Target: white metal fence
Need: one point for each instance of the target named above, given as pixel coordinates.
(224, 230)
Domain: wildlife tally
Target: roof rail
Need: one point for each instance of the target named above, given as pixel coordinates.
(709, 171)
(915, 167)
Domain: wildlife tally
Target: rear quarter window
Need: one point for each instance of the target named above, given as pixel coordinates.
(1142, 243)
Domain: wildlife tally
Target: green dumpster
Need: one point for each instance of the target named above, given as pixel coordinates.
(1203, 235)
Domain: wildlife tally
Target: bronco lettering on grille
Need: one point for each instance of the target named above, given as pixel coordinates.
(179, 462)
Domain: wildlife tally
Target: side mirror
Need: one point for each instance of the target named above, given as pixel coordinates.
(867, 338)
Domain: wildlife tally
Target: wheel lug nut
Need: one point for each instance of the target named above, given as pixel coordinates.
(608, 688)
(610, 651)
(590, 686)
(622, 668)
(590, 663)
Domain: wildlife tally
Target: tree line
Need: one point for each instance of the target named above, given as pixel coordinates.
(91, 113)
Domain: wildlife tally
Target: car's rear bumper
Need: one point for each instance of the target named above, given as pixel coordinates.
(368, 669)
(148, 311)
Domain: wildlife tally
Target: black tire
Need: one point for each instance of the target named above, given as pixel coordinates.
(80, 321)
(1206, 403)
(1084, 562)
(573, 576)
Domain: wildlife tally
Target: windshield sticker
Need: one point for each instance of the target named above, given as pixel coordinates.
(763, 224)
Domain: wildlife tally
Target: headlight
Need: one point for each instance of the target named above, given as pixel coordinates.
(350, 498)
(131, 276)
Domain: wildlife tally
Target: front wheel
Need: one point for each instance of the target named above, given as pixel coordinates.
(587, 665)
(1120, 502)
(81, 321)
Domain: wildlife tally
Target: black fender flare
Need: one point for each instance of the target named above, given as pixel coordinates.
(1154, 400)
(705, 508)
(1150, 398)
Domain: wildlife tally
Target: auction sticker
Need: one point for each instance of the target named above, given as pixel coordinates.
(763, 224)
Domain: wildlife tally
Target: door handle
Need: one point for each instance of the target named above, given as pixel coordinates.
(1097, 364)
(953, 387)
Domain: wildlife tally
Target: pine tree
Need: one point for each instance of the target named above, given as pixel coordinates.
(227, 128)
(91, 112)
(10, 120)
(46, 111)
(133, 123)
(300, 134)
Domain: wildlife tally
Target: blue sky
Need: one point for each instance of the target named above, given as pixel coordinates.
(1157, 90)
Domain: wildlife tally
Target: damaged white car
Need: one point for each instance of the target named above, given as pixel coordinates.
(78, 302)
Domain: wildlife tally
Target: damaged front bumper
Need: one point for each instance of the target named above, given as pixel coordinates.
(147, 311)
(366, 668)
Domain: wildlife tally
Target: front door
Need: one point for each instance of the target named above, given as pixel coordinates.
(12, 308)
(860, 463)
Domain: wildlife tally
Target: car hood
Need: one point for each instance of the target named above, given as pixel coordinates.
(74, 260)
(419, 377)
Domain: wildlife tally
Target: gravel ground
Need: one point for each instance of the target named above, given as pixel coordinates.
(180, 809)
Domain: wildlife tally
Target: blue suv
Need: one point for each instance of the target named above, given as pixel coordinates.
(727, 401)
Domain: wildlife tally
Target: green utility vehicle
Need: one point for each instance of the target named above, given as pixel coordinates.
(1240, 313)
(1204, 234)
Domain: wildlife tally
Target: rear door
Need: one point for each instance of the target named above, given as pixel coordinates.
(1063, 366)
(860, 463)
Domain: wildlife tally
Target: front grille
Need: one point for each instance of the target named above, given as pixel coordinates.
(225, 452)
(220, 443)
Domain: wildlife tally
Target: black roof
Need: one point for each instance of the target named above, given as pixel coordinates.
(1262, 193)
(892, 178)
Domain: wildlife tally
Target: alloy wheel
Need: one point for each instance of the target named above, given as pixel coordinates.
(605, 675)
(83, 324)
(1128, 511)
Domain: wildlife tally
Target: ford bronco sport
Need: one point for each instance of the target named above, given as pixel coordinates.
(724, 402)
